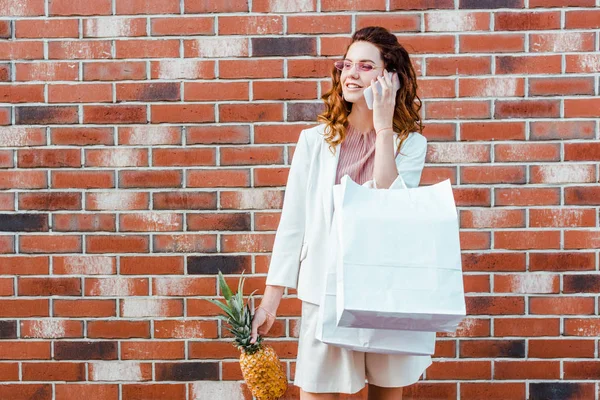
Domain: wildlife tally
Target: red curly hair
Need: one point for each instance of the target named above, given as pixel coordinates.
(395, 58)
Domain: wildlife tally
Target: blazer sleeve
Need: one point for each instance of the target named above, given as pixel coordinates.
(285, 258)
(410, 161)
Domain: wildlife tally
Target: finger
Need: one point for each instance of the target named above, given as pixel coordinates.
(254, 333)
(374, 88)
(388, 78)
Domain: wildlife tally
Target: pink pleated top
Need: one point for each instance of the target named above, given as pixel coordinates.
(357, 156)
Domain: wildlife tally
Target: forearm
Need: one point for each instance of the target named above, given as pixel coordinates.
(384, 170)
(272, 298)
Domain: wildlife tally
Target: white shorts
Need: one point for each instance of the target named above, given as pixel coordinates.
(322, 368)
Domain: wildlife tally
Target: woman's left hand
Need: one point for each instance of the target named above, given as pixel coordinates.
(384, 103)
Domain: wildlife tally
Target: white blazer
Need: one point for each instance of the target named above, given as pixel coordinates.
(300, 243)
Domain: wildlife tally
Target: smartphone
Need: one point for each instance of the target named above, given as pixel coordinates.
(368, 93)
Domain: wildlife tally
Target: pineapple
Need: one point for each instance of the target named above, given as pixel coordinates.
(260, 365)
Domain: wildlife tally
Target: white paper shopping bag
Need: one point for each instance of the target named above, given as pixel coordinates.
(399, 258)
(359, 339)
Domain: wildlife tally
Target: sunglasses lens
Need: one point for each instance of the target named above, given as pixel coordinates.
(339, 65)
(365, 67)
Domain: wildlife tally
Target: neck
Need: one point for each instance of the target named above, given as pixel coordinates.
(361, 117)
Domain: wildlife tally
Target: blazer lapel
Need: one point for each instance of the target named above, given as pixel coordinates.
(330, 163)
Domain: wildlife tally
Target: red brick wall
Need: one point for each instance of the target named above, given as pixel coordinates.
(146, 144)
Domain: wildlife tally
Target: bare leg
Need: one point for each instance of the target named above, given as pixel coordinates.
(381, 393)
(318, 396)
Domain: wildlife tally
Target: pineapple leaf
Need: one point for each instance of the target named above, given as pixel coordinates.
(222, 307)
(225, 290)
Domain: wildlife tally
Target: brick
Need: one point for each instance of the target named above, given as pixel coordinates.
(117, 200)
(495, 305)
(83, 222)
(116, 157)
(7, 201)
(178, 243)
(168, 286)
(526, 152)
(26, 391)
(155, 48)
(117, 243)
(587, 19)
(49, 286)
(492, 348)
(561, 390)
(250, 112)
(526, 21)
(184, 200)
(578, 108)
(497, 390)
(82, 136)
(561, 3)
(23, 309)
(150, 135)
(24, 222)
(150, 222)
(251, 25)
(492, 218)
(581, 283)
(114, 27)
(216, 91)
(492, 174)
(24, 265)
(114, 114)
(79, 7)
(255, 243)
(458, 109)
(216, 6)
(472, 196)
(148, 92)
(49, 158)
(529, 327)
(251, 155)
(29, 50)
(276, 133)
(43, 115)
(557, 86)
(559, 217)
(8, 330)
(175, 113)
(270, 176)
(47, 71)
(529, 283)
(5, 72)
(118, 329)
(85, 350)
(149, 307)
(84, 265)
(457, 65)
(457, 153)
(83, 179)
(582, 327)
(147, 7)
(420, 4)
(84, 308)
(475, 240)
(284, 90)
(242, 69)
(185, 329)
(551, 42)
(525, 240)
(23, 8)
(582, 240)
(527, 196)
(549, 348)
(184, 157)
(252, 199)
(216, 222)
(114, 71)
(545, 64)
(582, 62)
(55, 28)
(561, 306)
(117, 286)
(563, 261)
(218, 178)
(433, 175)
(462, 370)
(72, 391)
(178, 26)
(147, 179)
(153, 265)
(154, 391)
(339, 5)
(216, 47)
(23, 179)
(86, 93)
(304, 111)
(22, 93)
(76, 50)
(183, 69)
(218, 134)
(583, 195)
(263, 47)
(582, 151)
(50, 244)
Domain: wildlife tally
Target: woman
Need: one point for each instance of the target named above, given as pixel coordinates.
(373, 147)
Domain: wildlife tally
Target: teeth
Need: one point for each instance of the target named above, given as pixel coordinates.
(353, 86)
